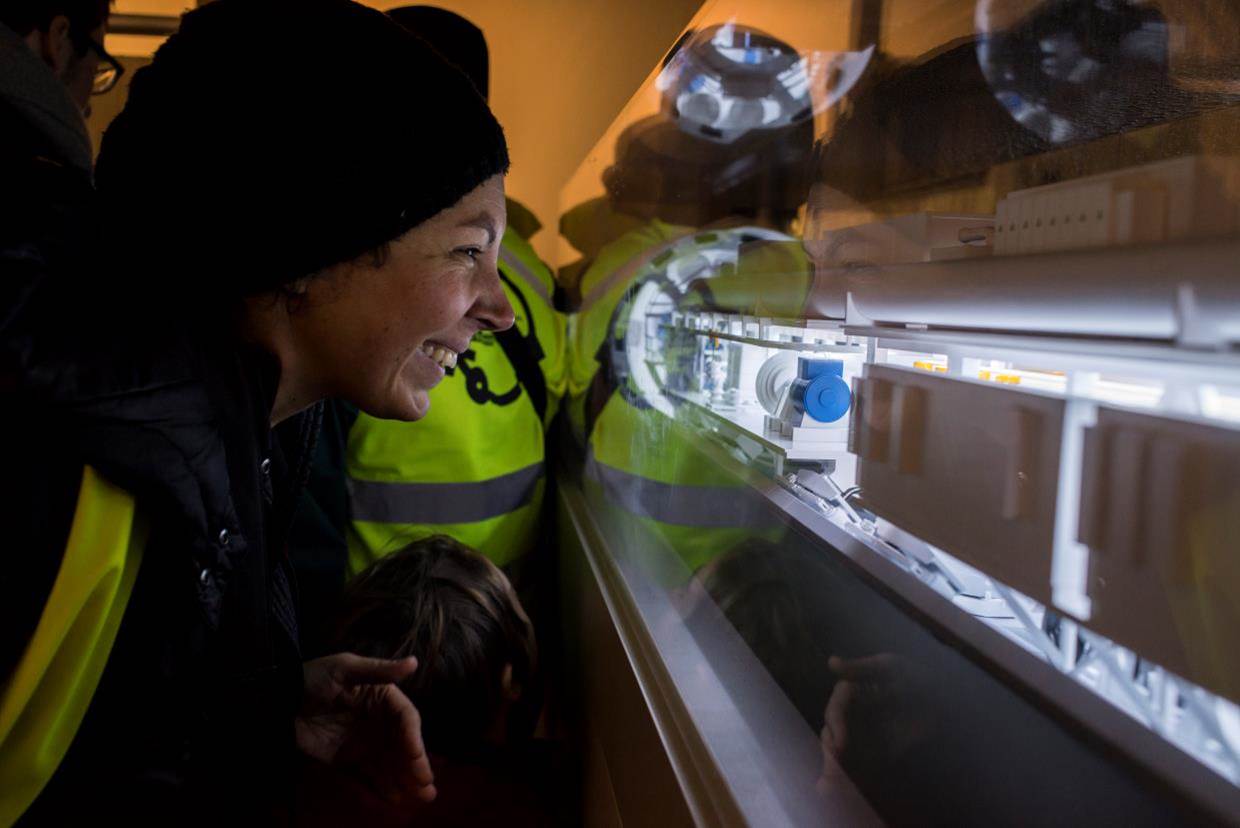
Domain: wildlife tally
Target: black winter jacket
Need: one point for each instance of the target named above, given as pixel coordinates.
(192, 720)
(193, 715)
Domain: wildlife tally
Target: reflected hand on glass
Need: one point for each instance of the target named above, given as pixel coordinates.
(892, 688)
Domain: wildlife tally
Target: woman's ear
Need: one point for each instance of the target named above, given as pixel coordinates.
(511, 691)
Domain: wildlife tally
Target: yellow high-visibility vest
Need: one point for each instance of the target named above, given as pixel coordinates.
(46, 697)
(472, 468)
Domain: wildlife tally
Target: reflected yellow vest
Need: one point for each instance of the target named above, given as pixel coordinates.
(472, 468)
(637, 461)
(46, 697)
(603, 285)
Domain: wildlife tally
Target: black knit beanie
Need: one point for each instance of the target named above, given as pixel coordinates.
(269, 139)
(460, 42)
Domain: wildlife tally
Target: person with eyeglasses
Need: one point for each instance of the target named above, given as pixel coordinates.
(66, 37)
(51, 62)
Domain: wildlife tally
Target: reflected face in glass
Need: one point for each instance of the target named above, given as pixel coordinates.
(381, 334)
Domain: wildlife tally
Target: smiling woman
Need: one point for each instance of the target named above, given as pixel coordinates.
(380, 334)
(275, 237)
(361, 257)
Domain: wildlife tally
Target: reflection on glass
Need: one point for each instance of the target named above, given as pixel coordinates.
(857, 280)
(727, 81)
(1069, 71)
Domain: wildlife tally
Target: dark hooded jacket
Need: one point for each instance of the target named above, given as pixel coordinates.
(192, 719)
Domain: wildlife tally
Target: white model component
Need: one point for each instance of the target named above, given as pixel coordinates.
(773, 379)
(916, 237)
(969, 467)
(773, 388)
(1193, 197)
(1160, 513)
(1229, 723)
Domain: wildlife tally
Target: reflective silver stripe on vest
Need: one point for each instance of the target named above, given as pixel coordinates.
(513, 261)
(704, 507)
(432, 503)
(625, 273)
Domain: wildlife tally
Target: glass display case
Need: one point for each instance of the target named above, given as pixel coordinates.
(904, 452)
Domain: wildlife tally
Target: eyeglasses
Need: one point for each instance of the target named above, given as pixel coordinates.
(107, 73)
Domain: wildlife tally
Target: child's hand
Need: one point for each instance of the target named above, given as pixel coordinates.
(354, 716)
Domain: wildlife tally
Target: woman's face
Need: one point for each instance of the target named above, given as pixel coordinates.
(381, 337)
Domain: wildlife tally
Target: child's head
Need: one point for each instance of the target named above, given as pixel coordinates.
(456, 611)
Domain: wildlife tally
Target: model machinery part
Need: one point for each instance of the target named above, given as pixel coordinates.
(819, 389)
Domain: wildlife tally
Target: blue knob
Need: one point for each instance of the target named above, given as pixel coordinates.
(820, 389)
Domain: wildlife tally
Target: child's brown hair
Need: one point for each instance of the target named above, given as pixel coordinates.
(441, 601)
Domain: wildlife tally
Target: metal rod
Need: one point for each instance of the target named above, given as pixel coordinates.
(843, 501)
(143, 24)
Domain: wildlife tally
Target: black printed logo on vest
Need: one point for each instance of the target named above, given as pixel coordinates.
(477, 386)
(476, 383)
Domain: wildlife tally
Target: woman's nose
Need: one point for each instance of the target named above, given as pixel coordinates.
(493, 309)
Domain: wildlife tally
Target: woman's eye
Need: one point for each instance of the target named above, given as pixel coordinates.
(473, 253)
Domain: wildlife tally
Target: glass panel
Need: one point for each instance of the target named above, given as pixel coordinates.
(859, 287)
